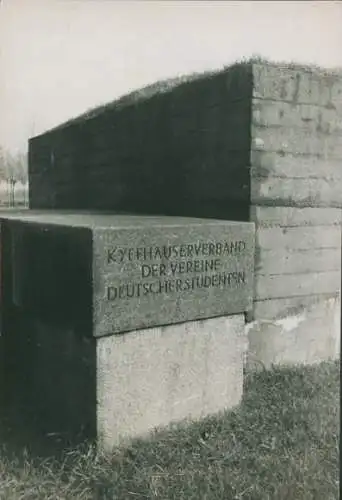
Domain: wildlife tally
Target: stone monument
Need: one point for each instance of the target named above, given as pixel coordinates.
(258, 142)
(126, 283)
(117, 324)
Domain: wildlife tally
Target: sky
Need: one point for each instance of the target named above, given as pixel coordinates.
(58, 58)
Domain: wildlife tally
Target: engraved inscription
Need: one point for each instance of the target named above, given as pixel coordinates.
(172, 269)
(118, 254)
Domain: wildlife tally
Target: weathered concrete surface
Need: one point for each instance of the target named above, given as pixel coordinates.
(297, 85)
(314, 192)
(310, 336)
(287, 165)
(289, 285)
(270, 113)
(293, 262)
(299, 142)
(281, 308)
(264, 216)
(149, 378)
(298, 238)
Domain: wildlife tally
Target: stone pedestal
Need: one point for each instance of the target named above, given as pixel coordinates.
(114, 325)
(149, 378)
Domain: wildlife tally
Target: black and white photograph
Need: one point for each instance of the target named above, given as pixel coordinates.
(170, 249)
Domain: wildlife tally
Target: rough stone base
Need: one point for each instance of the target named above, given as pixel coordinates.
(150, 378)
(312, 336)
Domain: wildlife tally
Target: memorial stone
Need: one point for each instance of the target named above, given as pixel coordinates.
(170, 290)
(140, 271)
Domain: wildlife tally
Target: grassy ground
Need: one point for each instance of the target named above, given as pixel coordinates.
(281, 443)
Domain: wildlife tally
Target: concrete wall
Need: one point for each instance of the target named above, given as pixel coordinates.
(181, 152)
(296, 201)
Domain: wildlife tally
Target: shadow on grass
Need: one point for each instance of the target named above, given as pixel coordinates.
(282, 442)
(19, 432)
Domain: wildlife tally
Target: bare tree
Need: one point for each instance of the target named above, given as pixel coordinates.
(13, 169)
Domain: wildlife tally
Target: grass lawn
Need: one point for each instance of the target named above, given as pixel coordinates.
(281, 443)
